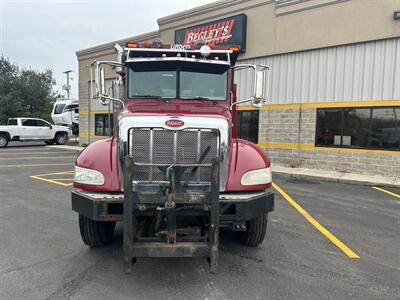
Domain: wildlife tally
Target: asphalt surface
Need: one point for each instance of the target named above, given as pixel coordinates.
(42, 255)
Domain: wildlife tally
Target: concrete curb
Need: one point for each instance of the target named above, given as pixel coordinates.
(336, 176)
(66, 147)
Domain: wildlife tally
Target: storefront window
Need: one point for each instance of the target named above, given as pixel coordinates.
(248, 125)
(385, 128)
(103, 124)
(364, 128)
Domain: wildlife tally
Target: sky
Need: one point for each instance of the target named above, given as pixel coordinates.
(41, 34)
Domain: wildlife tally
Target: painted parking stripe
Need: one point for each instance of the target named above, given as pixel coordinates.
(51, 180)
(350, 253)
(35, 165)
(386, 191)
(56, 173)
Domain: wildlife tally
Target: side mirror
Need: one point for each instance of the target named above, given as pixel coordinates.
(99, 82)
(260, 85)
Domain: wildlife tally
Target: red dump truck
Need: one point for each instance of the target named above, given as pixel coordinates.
(175, 171)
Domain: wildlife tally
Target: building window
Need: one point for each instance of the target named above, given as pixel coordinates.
(248, 125)
(363, 128)
(103, 124)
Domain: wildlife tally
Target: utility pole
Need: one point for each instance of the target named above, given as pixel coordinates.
(67, 87)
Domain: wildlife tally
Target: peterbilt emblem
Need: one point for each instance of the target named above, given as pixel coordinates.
(174, 123)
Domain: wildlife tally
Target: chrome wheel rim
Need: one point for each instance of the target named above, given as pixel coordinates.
(3, 141)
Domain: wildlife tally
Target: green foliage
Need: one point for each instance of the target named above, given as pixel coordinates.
(25, 92)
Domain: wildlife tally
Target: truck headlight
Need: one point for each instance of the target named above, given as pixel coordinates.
(256, 177)
(88, 176)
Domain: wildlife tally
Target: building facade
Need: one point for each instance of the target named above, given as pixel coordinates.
(334, 88)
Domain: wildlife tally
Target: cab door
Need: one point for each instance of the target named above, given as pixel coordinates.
(43, 130)
(28, 129)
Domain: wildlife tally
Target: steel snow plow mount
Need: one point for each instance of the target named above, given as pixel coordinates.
(171, 218)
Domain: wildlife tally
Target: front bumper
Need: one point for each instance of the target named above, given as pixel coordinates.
(234, 207)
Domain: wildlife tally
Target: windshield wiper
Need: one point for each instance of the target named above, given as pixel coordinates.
(201, 98)
(150, 96)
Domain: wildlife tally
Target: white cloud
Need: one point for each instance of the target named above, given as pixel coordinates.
(46, 33)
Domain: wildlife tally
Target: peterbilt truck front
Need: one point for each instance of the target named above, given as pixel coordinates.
(175, 171)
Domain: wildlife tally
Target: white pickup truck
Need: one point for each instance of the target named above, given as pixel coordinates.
(32, 129)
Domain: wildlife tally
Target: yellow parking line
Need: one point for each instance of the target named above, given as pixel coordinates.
(386, 191)
(56, 173)
(35, 165)
(63, 179)
(51, 181)
(317, 225)
(47, 157)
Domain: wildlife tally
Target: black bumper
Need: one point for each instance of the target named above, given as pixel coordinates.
(234, 207)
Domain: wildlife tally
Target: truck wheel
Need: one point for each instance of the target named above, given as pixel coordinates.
(3, 141)
(96, 233)
(255, 233)
(61, 138)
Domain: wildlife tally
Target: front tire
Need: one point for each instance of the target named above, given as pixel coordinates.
(3, 141)
(256, 230)
(96, 233)
(61, 138)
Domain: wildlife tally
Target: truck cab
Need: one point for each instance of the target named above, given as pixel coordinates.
(175, 171)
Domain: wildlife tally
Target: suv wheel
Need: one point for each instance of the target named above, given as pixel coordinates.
(255, 233)
(61, 138)
(3, 141)
(96, 233)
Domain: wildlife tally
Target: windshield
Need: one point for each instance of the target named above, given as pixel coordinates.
(168, 80)
(59, 109)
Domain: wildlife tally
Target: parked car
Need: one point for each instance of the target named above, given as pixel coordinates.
(32, 129)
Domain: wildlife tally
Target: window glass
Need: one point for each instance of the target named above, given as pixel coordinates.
(329, 127)
(385, 128)
(103, 125)
(70, 107)
(28, 122)
(41, 123)
(12, 122)
(368, 128)
(199, 82)
(59, 109)
(152, 81)
(248, 125)
(356, 127)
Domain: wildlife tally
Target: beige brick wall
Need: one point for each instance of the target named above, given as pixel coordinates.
(283, 127)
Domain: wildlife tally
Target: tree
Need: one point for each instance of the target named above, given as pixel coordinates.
(25, 92)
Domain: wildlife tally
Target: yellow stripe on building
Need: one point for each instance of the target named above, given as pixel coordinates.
(86, 135)
(313, 147)
(323, 105)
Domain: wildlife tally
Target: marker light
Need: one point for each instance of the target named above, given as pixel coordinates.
(132, 45)
(205, 51)
(234, 48)
(157, 43)
(256, 177)
(88, 176)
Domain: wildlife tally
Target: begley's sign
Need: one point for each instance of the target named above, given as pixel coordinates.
(227, 31)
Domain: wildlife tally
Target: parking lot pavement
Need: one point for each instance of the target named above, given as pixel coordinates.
(43, 257)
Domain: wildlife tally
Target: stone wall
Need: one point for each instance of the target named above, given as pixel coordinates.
(288, 136)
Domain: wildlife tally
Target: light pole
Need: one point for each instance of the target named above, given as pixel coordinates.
(67, 87)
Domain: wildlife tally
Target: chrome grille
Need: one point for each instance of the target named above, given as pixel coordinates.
(162, 148)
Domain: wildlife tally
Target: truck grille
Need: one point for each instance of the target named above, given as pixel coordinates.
(161, 148)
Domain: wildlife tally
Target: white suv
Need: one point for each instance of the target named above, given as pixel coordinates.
(32, 129)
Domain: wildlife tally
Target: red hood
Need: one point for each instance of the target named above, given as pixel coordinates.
(176, 108)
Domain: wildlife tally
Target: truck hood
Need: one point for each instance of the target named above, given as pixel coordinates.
(177, 108)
